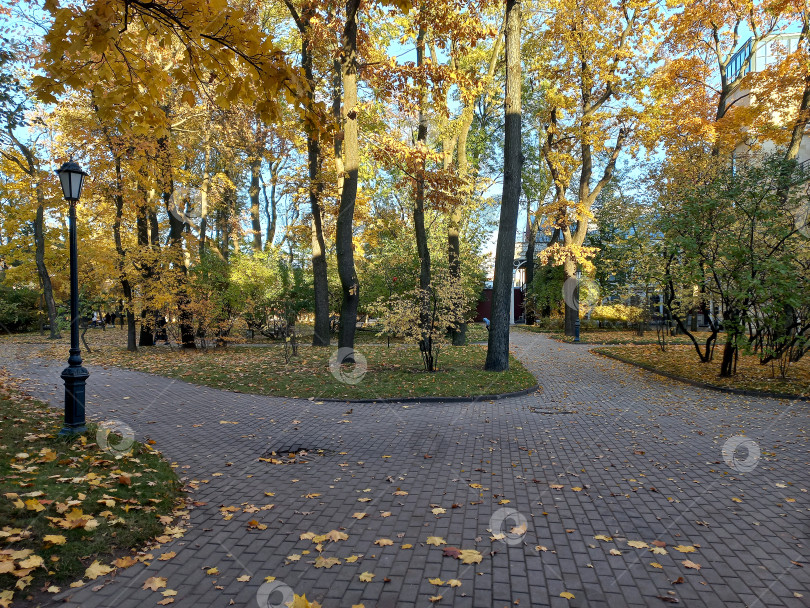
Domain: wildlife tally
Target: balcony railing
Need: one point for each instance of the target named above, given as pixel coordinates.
(740, 65)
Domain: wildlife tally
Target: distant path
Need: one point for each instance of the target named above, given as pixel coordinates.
(646, 453)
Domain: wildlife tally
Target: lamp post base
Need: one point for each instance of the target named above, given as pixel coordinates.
(75, 378)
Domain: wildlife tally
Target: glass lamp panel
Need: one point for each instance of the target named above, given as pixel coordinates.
(64, 178)
(76, 184)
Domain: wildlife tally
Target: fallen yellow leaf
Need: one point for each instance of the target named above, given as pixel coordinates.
(54, 539)
(154, 583)
(97, 569)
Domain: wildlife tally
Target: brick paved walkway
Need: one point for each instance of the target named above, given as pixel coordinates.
(604, 449)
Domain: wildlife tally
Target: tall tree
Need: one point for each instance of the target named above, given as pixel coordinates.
(303, 20)
(419, 207)
(13, 104)
(351, 163)
(29, 164)
(462, 167)
(498, 346)
(594, 56)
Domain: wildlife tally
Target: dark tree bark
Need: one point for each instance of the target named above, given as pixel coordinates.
(802, 121)
(271, 204)
(118, 198)
(224, 222)
(204, 190)
(175, 242)
(147, 336)
(728, 366)
(419, 200)
(255, 212)
(498, 347)
(425, 342)
(531, 235)
(320, 335)
(345, 221)
(176, 230)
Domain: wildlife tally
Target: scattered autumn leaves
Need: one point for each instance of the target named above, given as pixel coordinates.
(68, 506)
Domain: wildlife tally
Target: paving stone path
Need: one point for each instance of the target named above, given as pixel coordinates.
(603, 449)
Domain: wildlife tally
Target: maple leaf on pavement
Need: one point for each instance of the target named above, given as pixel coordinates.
(154, 583)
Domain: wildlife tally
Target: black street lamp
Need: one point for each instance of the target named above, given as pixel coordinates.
(75, 375)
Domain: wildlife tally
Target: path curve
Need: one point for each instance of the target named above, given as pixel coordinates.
(638, 458)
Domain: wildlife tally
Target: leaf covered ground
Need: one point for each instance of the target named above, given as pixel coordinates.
(70, 511)
(618, 336)
(682, 361)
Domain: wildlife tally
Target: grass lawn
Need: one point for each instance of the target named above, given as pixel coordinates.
(71, 511)
(683, 361)
(391, 372)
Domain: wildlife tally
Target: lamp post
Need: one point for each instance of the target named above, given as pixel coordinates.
(75, 375)
(576, 321)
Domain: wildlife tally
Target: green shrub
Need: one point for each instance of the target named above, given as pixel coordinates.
(19, 309)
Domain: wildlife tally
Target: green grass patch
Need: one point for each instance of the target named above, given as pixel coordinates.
(67, 505)
(391, 372)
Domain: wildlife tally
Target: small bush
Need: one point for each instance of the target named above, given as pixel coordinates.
(617, 313)
(19, 309)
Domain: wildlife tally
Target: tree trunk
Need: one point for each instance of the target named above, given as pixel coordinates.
(531, 235)
(345, 222)
(176, 230)
(320, 335)
(571, 307)
(802, 121)
(337, 93)
(204, 190)
(453, 231)
(498, 347)
(255, 217)
(729, 355)
(154, 227)
(42, 270)
(425, 340)
(270, 209)
(118, 198)
(147, 337)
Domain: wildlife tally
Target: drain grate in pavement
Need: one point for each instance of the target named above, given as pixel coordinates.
(294, 453)
(537, 410)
